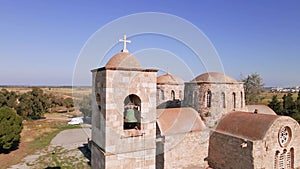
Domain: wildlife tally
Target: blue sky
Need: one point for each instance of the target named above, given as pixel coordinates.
(40, 40)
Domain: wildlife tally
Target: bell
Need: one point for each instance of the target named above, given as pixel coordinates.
(130, 116)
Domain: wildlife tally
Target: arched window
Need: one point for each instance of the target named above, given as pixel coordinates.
(195, 100)
(172, 95)
(161, 95)
(234, 100)
(291, 158)
(132, 112)
(98, 100)
(180, 94)
(242, 99)
(223, 100)
(208, 98)
(276, 160)
(282, 160)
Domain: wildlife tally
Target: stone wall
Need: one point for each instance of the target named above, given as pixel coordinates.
(196, 97)
(265, 150)
(113, 87)
(167, 88)
(138, 159)
(226, 152)
(186, 150)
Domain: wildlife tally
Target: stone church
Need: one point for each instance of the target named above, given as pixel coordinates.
(141, 121)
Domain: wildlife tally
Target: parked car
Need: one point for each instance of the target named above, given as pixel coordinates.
(75, 121)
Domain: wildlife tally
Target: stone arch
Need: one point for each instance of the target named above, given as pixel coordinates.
(172, 95)
(161, 94)
(276, 160)
(180, 94)
(242, 99)
(234, 100)
(98, 100)
(132, 112)
(223, 100)
(208, 98)
(195, 100)
(292, 158)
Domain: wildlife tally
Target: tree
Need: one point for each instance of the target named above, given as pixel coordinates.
(288, 104)
(253, 85)
(10, 128)
(275, 105)
(297, 103)
(85, 106)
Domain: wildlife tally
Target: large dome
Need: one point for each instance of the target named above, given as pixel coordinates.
(216, 77)
(169, 79)
(123, 60)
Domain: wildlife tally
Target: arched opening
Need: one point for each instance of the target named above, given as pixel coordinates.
(180, 94)
(98, 100)
(195, 102)
(234, 100)
(291, 160)
(173, 95)
(132, 112)
(208, 98)
(282, 160)
(223, 100)
(242, 105)
(276, 160)
(161, 95)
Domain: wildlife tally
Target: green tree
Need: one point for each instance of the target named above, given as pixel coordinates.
(10, 128)
(288, 104)
(85, 106)
(253, 85)
(68, 102)
(33, 104)
(275, 104)
(297, 103)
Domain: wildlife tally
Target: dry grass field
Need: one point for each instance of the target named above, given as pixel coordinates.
(65, 91)
(37, 134)
(267, 97)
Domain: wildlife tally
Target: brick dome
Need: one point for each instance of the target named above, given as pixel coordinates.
(169, 79)
(215, 77)
(123, 60)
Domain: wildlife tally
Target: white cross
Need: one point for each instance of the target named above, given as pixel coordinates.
(124, 41)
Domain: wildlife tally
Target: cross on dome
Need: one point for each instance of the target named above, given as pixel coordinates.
(124, 41)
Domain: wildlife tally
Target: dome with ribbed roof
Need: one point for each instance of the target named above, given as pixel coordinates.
(215, 77)
(123, 60)
(169, 79)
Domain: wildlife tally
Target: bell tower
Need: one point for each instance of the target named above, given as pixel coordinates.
(124, 114)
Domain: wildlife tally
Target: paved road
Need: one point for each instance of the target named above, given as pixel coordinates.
(72, 138)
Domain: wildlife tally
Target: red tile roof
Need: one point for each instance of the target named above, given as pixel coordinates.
(178, 120)
(246, 125)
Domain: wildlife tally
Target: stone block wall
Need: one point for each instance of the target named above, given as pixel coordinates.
(128, 146)
(226, 152)
(265, 150)
(186, 150)
(196, 97)
(167, 88)
(130, 160)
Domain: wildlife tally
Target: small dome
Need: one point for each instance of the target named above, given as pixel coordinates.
(169, 79)
(217, 77)
(123, 60)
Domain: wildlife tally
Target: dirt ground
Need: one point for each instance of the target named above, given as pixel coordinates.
(67, 149)
(34, 129)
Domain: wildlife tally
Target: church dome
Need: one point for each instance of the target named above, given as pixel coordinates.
(169, 79)
(123, 60)
(216, 77)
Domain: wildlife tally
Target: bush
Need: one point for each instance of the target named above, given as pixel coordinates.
(10, 128)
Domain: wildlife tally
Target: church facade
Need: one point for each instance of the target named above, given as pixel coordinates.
(141, 121)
